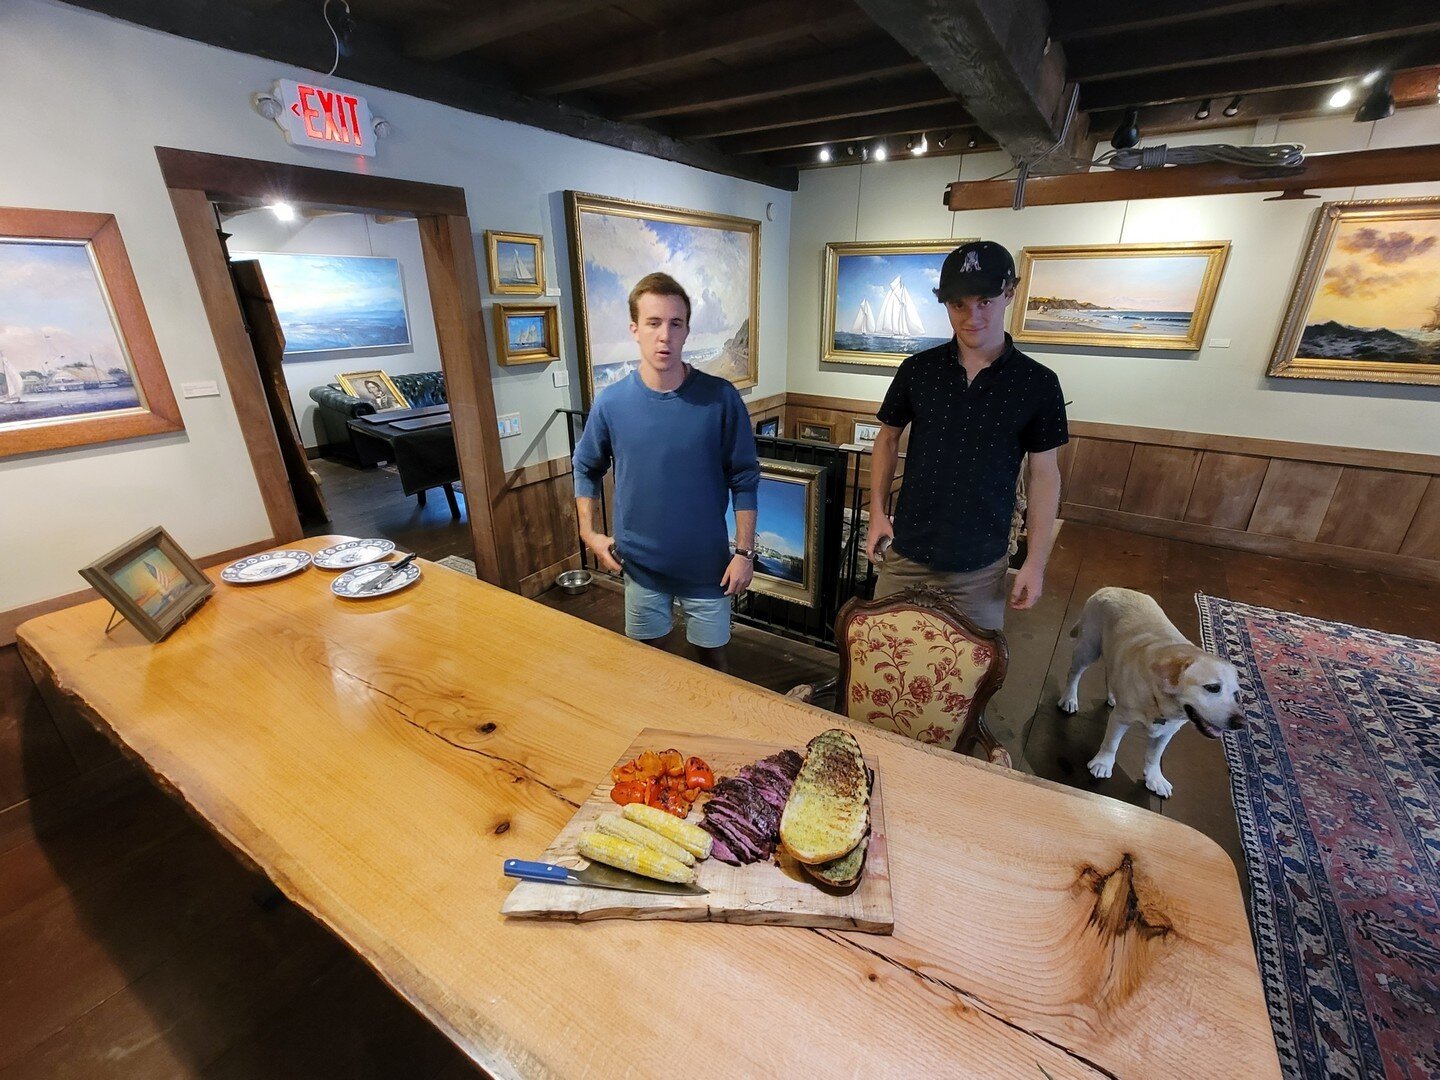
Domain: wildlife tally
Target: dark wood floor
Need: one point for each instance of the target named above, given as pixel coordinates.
(369, 502)
(131, 944)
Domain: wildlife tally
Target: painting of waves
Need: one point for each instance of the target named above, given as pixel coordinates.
(331, 302)
(880, 301)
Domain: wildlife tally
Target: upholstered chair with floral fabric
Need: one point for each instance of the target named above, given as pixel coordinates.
(913, 664)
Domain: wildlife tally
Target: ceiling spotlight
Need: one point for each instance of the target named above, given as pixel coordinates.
(941, 140)
(282, 210)
(824, 153)
(1369, 80)
(880, 154)
(918, 148)
(1378, 104)
(972, 143)
(850, 150)
(1342, 97)
(1203, 112)
(1234, 107)
(1127, 134)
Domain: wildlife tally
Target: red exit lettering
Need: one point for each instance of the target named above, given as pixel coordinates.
(339, 114)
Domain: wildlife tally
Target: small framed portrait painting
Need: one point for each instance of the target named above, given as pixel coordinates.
(526, 334)
(152, 583)
(375, 387)
(809, 431)
(769, 428)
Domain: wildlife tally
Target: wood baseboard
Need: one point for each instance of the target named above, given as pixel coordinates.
(1259, 543)
(538, 582)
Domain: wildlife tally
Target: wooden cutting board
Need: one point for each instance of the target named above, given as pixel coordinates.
(776, 892)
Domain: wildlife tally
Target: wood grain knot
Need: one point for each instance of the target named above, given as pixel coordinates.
(486, 728)
(503, 827)
(1117, 909)
(1121, 938)
(873, 977)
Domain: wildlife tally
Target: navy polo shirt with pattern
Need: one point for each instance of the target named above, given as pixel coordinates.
(966, 444)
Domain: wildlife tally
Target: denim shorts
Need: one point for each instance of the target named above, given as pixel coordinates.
(648, 616)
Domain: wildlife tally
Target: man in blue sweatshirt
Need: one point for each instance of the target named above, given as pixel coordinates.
(683, 449)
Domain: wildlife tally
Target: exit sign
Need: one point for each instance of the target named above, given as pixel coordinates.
(326, 119)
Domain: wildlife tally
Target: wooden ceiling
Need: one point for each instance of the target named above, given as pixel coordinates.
(755, 88)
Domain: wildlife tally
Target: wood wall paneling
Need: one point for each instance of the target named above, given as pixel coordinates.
(1372, 510)
(1294, 498)
(1159, 481)
(1226, 487)
(1422, 540)
(1098, 472)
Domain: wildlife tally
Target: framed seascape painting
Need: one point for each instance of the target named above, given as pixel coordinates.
(526, 334)
(787, 535)
(516, 262)
(879, 304)
(331, 302)
(151, 582)
(375, 387)
(1366, 304)
(78, 359)
(768, 428)
(614, 243)
(1122, 296)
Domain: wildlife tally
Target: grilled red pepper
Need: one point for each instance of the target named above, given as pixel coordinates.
(698, 775)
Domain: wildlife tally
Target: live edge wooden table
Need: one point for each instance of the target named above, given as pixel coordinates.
(378, 760)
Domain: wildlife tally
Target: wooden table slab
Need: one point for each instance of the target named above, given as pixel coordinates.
(380, 760)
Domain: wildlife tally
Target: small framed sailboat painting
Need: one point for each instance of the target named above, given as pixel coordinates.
(879, 302)
(78, 360)
(1366, 303)
(526, 334)
(517, 265)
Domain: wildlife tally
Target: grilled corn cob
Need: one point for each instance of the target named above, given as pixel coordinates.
(615, 825)
(691, 837)
(612, 851)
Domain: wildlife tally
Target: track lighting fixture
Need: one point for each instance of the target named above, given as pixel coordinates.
(1203, 112)
(972, 143)
(880, 152)
(825, 153)
(941, 140)
(1378, 104)
(1234, 107)
(850, 150)
(282, 210)
(1341, 97)
(918, 146)
(1127, 134)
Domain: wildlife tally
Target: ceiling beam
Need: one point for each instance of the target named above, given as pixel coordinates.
(732, 33)
(1275, 32)
(1353, 168)
(1254, 76)
(747, 86)
(441, 38)
(932, 118)
(286, 35)
(861, 101)
(1081, 21)
(994, 55)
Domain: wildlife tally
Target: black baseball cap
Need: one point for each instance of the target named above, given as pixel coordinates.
(979, 268)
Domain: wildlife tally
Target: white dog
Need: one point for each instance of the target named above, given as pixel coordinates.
(1153, 677)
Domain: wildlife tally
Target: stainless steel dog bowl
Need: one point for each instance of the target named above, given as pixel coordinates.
(574, 581)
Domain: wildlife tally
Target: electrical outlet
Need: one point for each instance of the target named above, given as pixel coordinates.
(561, 377)
(509, 425)
(1219, 343)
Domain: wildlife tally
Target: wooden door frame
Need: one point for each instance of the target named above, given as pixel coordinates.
(196, 179)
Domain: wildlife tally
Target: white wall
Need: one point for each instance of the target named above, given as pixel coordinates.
(101, 94)
(1221, 391)
(346, 234)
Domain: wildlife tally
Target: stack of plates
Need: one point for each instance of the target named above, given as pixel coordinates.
(353, 553)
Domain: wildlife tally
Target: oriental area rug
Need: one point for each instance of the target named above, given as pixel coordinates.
(1336, 783)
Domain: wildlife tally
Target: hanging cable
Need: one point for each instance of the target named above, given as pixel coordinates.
(1154, 157)
(325, 11)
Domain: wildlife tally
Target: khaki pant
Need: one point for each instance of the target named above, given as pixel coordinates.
(979, 594)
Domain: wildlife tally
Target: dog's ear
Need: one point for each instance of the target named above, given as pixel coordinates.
(1169, 671)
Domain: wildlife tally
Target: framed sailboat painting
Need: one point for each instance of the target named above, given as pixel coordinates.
(879, 302)
(517, 264)
(526, 334)
(1366, 303)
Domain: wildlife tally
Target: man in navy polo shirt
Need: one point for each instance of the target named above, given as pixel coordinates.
(976, 406)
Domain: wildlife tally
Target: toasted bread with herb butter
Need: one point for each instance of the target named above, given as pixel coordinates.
(843, 872)
(828, 812)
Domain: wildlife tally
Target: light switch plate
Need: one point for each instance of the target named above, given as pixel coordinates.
(561, 377)
(509, 425)
(553, 290)
(1219, 343)
(208, 388)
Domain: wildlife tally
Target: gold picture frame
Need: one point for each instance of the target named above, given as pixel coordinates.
(1402, 286)
(856, 273)
(512, 271)
(1170, 287)
(384, 396)
(81, 364)
(787, 548)
(604, 231)
(526, 334)
(152, 584)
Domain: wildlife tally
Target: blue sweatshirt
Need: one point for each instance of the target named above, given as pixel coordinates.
(680, 458)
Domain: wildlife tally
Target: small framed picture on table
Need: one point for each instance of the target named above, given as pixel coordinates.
(153, 585)
(769, 428)
(809, 431)
(864, 433)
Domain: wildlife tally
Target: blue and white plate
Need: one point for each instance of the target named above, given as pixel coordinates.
(351, 584)
(267, 566)
(353, 553)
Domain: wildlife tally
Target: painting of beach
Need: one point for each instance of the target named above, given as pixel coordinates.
(880, 304)
(61, 354)
(1366, 306)
(787, 529)
(1119, 295)
(332, 302)
(716, 259)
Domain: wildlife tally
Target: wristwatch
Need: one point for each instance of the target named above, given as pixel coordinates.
(746, 552)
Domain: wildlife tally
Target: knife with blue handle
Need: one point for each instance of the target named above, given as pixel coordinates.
(597, 876)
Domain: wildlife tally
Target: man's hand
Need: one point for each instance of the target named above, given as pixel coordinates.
(600, 545)
(737, 575)
(1029, 584)
(880, 527)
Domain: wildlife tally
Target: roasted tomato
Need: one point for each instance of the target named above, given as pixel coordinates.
(671, 800)
(673, 761)
(698, 775)
(649, 765)
(628, 791)
(622, 773)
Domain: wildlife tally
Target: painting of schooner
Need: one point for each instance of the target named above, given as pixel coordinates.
(880, 304)
(1366, 304)
(516, 263)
